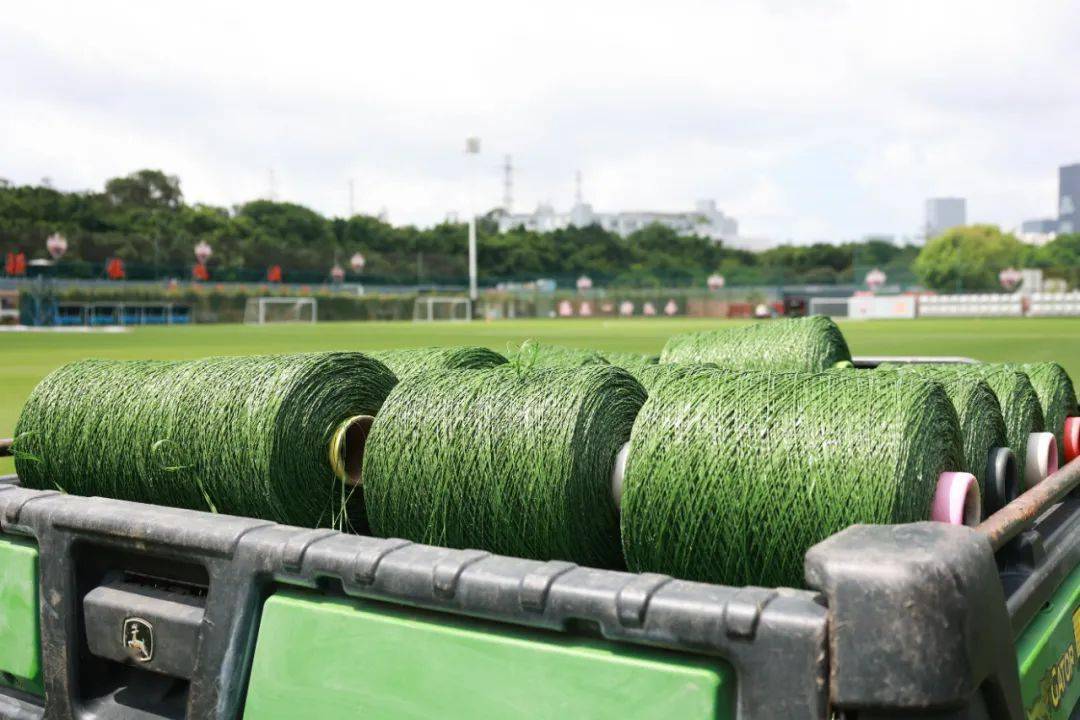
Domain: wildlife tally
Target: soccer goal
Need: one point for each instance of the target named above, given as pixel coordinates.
(264, 310)
(430, 308)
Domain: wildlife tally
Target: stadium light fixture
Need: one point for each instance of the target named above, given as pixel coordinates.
(875, 279)
(1009, 278)
(57, 245)
(472, 147)
(203, 251)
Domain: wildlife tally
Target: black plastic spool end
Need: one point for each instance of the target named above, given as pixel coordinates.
(1002, 480)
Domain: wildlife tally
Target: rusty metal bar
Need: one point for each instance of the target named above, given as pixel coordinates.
(1021, 513)
(5, 446)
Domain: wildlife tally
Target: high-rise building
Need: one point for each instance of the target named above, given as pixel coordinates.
(944, 213)
(1069, 198)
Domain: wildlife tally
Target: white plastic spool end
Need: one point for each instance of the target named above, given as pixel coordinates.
(618, 472)
(1042, 458)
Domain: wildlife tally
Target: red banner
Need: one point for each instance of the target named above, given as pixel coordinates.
(115, 269)
(15, 264)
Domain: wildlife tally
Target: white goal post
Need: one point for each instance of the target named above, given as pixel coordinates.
(429, 308)
(265, 310)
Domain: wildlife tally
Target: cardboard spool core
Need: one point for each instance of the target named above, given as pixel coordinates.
(347, 449)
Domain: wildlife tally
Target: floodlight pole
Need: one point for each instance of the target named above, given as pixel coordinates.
(472, 258)
(472, 147)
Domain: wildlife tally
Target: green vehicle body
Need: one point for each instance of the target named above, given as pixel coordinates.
(319, 655)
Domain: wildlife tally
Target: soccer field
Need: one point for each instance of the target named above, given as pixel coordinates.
(26, 357)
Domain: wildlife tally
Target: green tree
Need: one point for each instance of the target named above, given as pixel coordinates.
(968, 258)
(1061, 257)
(145, 189)
(143, 218)
(284, 234)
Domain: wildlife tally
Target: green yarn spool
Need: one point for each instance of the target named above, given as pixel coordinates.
(512, 461)
(1057, 397)
(532, 354)
(1019, 404)
(982, 425)
(421, 360)
(798, 344)
(732, 476)
(630, 361)
(652, 375)
(239, 435)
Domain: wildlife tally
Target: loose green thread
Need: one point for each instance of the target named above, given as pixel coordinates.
(18, 453)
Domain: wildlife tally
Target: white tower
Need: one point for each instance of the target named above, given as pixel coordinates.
(508, 185)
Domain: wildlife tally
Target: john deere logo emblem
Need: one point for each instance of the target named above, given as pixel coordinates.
(139, 639)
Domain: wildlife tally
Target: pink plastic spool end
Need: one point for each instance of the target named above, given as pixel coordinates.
(957, 499)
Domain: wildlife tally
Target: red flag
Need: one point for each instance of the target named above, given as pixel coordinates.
(199, 272)
(274, 274)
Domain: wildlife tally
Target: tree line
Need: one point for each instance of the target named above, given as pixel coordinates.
(143, 220)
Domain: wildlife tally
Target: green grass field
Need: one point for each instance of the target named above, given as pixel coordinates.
(27, 357)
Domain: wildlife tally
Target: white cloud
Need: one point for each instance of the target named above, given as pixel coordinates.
(804, 120)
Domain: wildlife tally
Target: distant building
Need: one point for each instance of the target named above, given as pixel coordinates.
(944, 213)
(1037, 232)
(1043, 226)
(705, 220)
(1069, 198)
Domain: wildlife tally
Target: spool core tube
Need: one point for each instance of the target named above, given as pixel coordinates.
(1071, 438)
(346, 449)
(1042, 458)
(956, 500)
(618, 472)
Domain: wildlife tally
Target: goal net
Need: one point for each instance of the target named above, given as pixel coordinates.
(264, 310)
(431, 308)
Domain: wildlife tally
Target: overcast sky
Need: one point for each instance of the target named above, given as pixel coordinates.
(805, 121)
